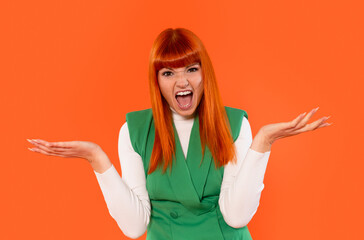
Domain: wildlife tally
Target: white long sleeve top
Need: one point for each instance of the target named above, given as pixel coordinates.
(127, 198)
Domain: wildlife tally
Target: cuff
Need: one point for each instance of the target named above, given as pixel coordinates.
(107, 172)
(256, 153)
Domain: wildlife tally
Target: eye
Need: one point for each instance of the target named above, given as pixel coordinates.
(167, 73)
(193, 69)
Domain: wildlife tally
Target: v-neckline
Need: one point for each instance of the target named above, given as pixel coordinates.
(178, 143)
(193, 164)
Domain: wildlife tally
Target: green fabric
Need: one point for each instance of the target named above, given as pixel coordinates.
(184, 200)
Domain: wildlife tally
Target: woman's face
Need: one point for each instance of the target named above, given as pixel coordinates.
(182, 88)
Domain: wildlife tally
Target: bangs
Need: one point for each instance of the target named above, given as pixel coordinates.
(175, 55)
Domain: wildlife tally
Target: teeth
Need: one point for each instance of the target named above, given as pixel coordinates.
(183, 93)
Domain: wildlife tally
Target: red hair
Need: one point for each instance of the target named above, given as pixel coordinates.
(176, 48)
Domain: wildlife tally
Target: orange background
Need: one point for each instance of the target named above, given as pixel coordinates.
(71, 70)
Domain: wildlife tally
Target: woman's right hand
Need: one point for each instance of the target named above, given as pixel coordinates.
(69, 149)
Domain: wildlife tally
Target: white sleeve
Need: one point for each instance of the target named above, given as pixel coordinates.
(127, 198)
(243, 182)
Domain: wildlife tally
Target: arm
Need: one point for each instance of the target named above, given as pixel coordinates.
(127, 197)
(243, 182)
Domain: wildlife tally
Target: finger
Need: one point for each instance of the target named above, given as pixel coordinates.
(46, 153)
(61, 144)
(321, 123)
(53, 144)
(39, 142)
(324, 125)
(43, 147)
(294, 122)
(304, 121)
(312, 126)
(51, 150)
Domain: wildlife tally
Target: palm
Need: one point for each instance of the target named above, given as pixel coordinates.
(70, 149)
(299, 125)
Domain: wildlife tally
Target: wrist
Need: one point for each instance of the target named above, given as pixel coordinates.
(99, 161)
(95, 155)
(261, 143)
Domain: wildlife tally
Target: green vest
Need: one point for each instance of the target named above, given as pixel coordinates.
(184, 201)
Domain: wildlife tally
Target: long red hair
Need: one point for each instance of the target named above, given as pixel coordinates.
(176, 48)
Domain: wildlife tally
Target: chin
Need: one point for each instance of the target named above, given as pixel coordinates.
(186, 113)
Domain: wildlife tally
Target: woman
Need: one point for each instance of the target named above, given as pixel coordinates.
(190, 167)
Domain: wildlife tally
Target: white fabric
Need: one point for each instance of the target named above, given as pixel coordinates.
(127, 197)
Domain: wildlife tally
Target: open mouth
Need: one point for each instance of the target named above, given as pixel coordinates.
(184, 99)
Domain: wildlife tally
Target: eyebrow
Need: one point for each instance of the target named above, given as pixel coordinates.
(186, 67)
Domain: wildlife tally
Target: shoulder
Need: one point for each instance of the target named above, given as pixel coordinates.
(138, 119)
(137, 114)
(235, 117)
(235, 112)
(139, 124)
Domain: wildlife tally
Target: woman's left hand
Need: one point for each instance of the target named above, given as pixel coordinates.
(275, 131)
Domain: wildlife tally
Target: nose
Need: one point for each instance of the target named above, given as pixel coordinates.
(182, 80)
